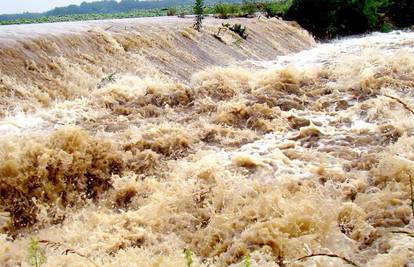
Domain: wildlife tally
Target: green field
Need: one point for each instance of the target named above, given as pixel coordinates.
(222, 10)
(82, 17)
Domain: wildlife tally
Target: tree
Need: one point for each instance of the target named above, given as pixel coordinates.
(401, 13)
(198, 11)
(329, 18)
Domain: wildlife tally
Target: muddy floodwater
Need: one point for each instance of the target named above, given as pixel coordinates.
(145, 143)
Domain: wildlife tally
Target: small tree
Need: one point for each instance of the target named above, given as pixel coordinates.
(198, 11)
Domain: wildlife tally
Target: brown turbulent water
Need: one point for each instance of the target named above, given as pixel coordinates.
(125, 142)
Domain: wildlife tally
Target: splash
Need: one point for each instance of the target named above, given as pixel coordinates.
(283, 162)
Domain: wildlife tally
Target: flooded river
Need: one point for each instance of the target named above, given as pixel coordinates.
(300, 158)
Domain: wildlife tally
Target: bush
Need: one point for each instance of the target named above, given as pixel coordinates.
(401, 13)
(330, 18)
(237, 28)
(248, 7)
(224, 10)
(171, 11)
(182, 14)
(274, 9)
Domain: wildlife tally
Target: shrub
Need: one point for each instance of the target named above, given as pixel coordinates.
(240, 30)
(248, 7)
(171, 11)
(182, 14)
(224, 10)
(373, 10)
(401, 13)
(330, 18)
(274, 9)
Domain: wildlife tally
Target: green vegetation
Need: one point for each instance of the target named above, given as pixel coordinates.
(273, 9)
(248, 8)
(247, 262)
(330, 18)
(82, 17)
(323, 18)
(199, 12)
(172, 11)
(237, 28)
(108, 10)
(107, 7)
(225, 10)
(36, 254)
(188, 254)
(101, 10)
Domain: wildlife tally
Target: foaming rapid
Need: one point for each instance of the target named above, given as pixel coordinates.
(45, 63)
(172, 155)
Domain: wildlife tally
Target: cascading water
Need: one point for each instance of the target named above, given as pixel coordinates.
(309, 154)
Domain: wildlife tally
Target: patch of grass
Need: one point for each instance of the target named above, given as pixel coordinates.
(247, 262)
(37, 255)
(121, 15)
(188, 254)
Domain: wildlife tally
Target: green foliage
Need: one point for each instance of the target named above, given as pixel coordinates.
(106, 80)
(373, 9)
(238, 42)
(172, 11)
(36, 254)
(247, 262)
(401, 13)
(237, 28)
(225, 10)
(188, 254)
(182, 14)
(329, 18)
(84, 17)
(278, 8)
(103, 7)
(249, 7)
(198, 11)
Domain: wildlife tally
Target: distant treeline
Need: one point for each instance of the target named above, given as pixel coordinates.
(106, 7)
